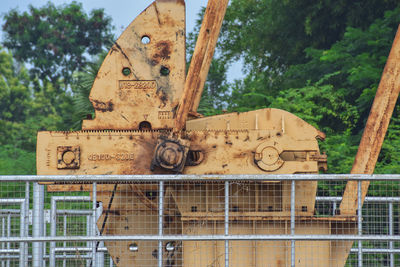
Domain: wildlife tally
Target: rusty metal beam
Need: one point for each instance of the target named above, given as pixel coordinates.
(375, 129)
(201, 61)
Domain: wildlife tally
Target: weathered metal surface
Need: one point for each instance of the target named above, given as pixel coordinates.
(222, 151)
(170, 154)
(141, 80)
(373, 137)
(375, 129)
(201, 61)
(141, 88)
(227, 144)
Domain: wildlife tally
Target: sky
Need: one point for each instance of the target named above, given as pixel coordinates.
(122, 12)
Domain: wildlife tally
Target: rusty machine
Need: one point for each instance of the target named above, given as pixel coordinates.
(146, 122)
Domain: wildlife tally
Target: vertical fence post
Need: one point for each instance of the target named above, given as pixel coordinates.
(53, 231)
(359, 217)
(334, 208)
(44, 245)
(3, 234)
(293, 222)
(26, 221)
(88, 233)
(391, 233)
(226, 223)
(22, 252)
(100, 255)
(38, 222)
(160, 222)
(8, 235)
(65, 243)
(94, 199)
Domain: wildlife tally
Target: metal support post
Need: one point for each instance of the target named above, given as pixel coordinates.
(359, 217)
(3, 233)
(88, 233)
(53, 229)
(334, 208)
(160, 223)
(293, 222)
(65, 243)
(8, 235)
(94, 199)
(100, 249)
(38, 224)
(391, 232)
(26, 207)
(44, 250)
(226, 223)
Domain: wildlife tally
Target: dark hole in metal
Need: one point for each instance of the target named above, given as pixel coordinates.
(133, 247)
(126, 71)
(145, 39)
(145, 126)
(164, 71)
(151, 194)
(194, 208)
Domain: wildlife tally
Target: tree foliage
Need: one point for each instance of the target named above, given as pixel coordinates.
(321, 60)
(56, 40)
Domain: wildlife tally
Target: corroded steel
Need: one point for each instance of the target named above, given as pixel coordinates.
(141, 80)
(376, 128)
(201, 61)
(141, 98)
(228, 146)
(374, 135)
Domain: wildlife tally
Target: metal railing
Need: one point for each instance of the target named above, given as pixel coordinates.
(94, 254)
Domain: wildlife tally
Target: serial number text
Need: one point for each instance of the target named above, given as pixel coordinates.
(137, 85)
(117, 156)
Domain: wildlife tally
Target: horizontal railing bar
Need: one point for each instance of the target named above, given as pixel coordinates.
(71, 198)
(45, 257)
(11, 200)
(74, 212)
(203, 238)
(80, 249)
(5, 251)
(367, 199)
(166, 178)
(14, 212)
(376, 250)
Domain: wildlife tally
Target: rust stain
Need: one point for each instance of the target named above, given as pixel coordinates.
(157, 12)
(103, 106)
(163, 50)
(164, 98)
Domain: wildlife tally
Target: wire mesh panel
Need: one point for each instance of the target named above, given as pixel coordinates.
(273, 221)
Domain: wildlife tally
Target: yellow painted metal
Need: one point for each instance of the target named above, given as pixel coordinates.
(141, 79)
(136, 95)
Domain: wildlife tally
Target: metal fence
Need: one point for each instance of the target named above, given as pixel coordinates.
(190, 220)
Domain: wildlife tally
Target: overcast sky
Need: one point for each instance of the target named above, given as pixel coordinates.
(122, 13)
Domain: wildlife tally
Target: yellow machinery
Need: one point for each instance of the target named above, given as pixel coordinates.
(147, 123)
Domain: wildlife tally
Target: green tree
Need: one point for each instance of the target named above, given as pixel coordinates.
(23, 111)
(319, 60)
(273, 33)
(56, 40)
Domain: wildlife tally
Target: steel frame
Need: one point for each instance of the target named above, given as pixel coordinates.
(92, 237)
